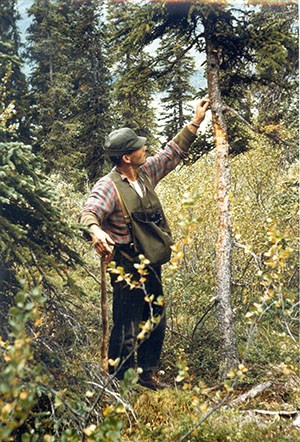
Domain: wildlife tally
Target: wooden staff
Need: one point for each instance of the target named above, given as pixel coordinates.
(104, 316)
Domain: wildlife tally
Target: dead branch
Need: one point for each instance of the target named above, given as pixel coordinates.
(172, 331)
(92, 275)
(251, 393)
(256, 257)
(282, 413)
(296, 422)
(202, 318)
(207, 415)
(285, 320)
(117, 397)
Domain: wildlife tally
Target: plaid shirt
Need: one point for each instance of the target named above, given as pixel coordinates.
(104, 202)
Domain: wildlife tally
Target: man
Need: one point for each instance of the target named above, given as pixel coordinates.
(110, 213)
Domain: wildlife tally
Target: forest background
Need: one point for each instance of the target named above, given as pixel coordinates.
(82, 69)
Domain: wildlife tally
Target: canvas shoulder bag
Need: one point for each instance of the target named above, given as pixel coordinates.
(145, 219)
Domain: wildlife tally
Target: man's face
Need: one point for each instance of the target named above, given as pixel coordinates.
(138, 157)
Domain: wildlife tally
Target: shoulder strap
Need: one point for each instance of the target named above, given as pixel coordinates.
(123, 207)
(115, 176)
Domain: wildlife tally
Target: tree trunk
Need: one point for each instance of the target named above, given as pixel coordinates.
(228, 350)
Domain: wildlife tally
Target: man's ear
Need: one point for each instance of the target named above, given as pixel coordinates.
(126, 159)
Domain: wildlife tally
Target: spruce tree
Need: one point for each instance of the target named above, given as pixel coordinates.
(133, 89)
(13, 79)
(69, 84)
(176, 86)
(37, 291)
(35, 239)
(277, 67)
(88, 32)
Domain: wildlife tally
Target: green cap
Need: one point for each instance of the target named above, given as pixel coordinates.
(122, 141)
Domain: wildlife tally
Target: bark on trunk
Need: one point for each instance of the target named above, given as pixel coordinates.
(228, 350)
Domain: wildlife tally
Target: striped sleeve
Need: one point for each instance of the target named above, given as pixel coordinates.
(159, 165)
(102, 199)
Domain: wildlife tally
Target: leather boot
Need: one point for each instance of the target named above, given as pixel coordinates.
(149, 381)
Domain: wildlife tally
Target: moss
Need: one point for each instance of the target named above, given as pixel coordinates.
(166, 417)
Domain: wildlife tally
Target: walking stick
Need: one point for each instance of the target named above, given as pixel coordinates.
(104, 315)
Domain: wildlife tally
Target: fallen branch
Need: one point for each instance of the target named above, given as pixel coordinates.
(282, 413)
(296, 422)
(251, 393)
(117, 397)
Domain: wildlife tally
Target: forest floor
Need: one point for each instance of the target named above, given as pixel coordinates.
(170, 415)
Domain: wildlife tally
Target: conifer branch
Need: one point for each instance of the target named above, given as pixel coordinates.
(257, 129)
(157, 75)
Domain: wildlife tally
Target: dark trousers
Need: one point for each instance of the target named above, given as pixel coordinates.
(129, 310)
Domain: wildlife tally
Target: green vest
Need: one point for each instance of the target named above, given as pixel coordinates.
(145, 218)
